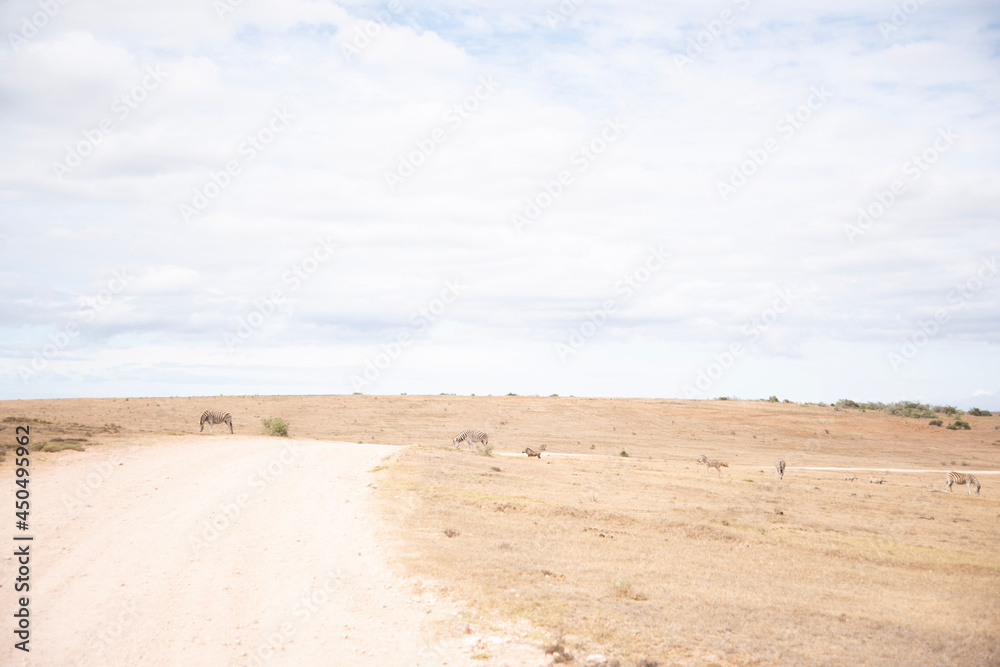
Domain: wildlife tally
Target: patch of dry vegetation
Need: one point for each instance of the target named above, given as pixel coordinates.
(647, 557)
(602, 426)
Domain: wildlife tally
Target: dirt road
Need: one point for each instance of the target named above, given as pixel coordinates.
(216, 550)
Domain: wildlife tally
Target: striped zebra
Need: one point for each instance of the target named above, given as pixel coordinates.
(471, 436)
(779, 465)
(531, 452)
(876, 480)
(211, 417)
(713, 463)
(850, 478)
(961, 478)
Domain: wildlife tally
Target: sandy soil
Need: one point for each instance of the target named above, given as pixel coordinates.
(223, 550)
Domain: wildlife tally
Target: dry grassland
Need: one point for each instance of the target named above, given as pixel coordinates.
(649, 556)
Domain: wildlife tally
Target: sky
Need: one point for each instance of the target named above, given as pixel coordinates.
(741, 198)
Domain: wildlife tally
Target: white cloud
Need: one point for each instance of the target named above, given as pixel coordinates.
(166, 280)
(656, 185)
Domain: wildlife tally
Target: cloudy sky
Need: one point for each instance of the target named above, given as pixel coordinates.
(735, 198)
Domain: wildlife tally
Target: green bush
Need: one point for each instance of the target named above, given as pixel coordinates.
(773, 399)
(976, 412)
(623, 453)
(935, 422)
(487, 450)
(946, 409)
(276, 426)
(958, 425)
(910, 409)
(899, 408)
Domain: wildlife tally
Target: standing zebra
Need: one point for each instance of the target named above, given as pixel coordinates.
(531, 452)
(779, 465)
(471, 436)
(211, 417)
(961, 478)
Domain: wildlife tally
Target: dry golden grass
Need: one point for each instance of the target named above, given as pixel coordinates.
(731, 430)
(654, 558)
(649, 556)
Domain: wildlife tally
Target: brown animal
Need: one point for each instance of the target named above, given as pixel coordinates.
(531, 452)
(712, 463)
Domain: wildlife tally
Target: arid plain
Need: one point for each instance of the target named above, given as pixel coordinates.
(648, 557)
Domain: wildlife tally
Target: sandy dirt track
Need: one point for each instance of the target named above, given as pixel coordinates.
(221, 550)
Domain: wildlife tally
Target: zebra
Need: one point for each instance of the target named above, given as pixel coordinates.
(961, 478)
(850, 478)
(712, 463)
(779, 465)
(876, 480)
(471, 436)
(531, 452)
(211, 417)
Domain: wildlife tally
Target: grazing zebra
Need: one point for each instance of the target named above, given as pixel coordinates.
(471, 436)
(531, 452)
(211, 417)
(712, 463)
(961, 478)
(876, 480)
(850, 478)
(779, 465)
